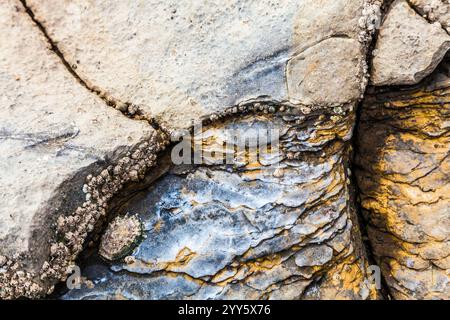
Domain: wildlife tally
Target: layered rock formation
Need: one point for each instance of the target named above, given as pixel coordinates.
(94, 91)
(402, 154)
(273, 222)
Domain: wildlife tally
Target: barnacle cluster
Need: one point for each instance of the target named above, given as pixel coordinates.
(266, 106)
(126, 108)
(15, 282)
(72, 230)
(369, 22)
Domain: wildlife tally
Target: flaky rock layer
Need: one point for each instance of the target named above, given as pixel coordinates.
(271, 223)
(403, 173)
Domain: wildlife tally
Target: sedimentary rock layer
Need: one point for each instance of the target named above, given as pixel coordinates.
(275, 221)
(403, 173)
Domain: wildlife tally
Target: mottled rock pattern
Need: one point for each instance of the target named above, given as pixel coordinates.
(276, 223)
(403, 173)
(408, 48)
(53, 133)
(181, 60)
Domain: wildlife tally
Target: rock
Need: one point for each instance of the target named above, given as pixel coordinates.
(179, 61)
(120, 237)
(434, 11)
(249, 228)
(329, 42)
(3, 261)
(68, 155)
(403, 170)
(313, 69)
(53, 134)
(408, 48)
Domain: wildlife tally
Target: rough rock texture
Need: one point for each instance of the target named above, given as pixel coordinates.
(408, 48)
(120, 237)
(53, 133)
(403, 171)
(434, 11)
(314, 69)
(68, 153)
(275, 223)
(181, 60)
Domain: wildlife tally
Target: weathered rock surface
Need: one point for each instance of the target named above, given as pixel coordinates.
(183, 60)
(273, 223)
(434, 11)
(53, 133)
(408, 48)
(403, 173)
(314, 69)
(212, 231)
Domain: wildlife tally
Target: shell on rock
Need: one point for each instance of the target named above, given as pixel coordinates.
(121, 237)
